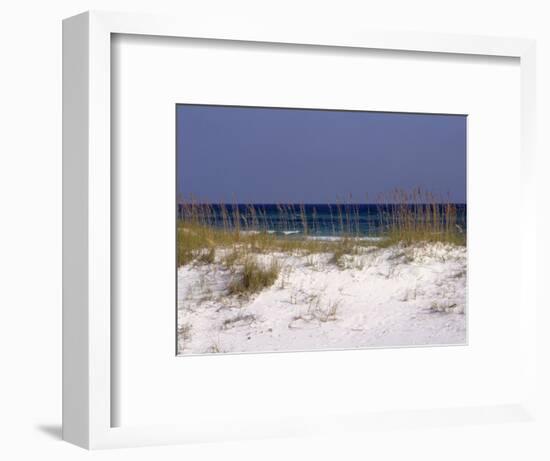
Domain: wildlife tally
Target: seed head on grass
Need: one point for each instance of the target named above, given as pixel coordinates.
(254, 278)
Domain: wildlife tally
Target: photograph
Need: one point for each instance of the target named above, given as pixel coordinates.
(301, 229)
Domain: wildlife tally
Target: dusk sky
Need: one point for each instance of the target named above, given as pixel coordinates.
(265, 155)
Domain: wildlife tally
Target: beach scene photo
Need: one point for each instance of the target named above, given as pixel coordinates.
(308, 229)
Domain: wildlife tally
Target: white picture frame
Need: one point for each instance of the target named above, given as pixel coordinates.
(88, 363)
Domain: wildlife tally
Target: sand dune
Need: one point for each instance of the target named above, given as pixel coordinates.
(397, 296)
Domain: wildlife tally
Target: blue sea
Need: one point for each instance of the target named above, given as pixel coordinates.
(321, 220)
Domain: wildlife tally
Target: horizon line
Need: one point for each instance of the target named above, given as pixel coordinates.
(323, 203)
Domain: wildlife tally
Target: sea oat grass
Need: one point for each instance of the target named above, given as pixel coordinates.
(254, 278)
(207, 256)
(405, 218)
(418, 216)
(342, 248)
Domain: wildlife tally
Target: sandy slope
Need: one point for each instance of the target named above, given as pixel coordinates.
(383, 297)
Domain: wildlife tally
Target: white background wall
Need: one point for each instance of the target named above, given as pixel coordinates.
(30, 223)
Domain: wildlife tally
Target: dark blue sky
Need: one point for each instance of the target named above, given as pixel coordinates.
(264, 155)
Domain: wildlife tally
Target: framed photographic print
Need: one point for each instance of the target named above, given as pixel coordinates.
(259, 221)
(280, 248)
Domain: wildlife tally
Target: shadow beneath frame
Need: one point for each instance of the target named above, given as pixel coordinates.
(54, 431)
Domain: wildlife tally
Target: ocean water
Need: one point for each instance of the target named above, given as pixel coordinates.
(320, 220)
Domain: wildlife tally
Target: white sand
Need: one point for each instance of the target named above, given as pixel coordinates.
(382, 297)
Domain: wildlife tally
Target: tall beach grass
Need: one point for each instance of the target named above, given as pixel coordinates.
(406, 217)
